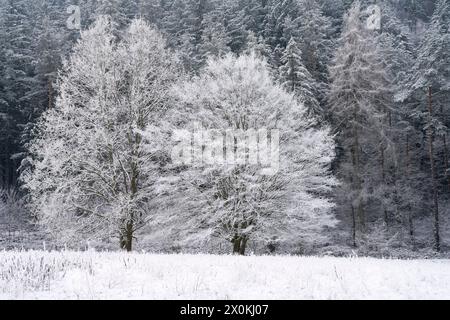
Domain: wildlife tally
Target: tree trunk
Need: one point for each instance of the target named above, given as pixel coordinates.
(243, 246)
(383, 180)
(410, 217)
(126, 238)
(129, 244)
(239, 245)
(437, 240)
(447, 172)
(353, 227)
(236, 244)
(357, 180)
(50, 94)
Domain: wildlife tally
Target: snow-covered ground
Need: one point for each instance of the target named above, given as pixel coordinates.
(93, 275)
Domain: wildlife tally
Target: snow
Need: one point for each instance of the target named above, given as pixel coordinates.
(95, 275)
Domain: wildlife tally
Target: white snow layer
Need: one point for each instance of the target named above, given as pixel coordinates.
(94, 275)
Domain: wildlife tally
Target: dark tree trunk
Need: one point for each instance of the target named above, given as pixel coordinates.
(357, 183)
(236, 244)
(239, 245)
(353, 227)
(410, 217)
(129, 243)
(50, 94)
(447, 172)
(383, 179)
(126, 238)
(243, 246)
(437, 240)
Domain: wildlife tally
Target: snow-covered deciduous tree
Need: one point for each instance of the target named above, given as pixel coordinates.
(235, 200)
(93, 174)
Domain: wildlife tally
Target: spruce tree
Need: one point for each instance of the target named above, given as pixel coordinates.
(296, 78)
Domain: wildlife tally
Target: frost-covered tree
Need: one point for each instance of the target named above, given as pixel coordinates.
(93, 174)
(278, 13)
(5, 117)
(257, 45)
(296, 78)
(236, 13)
(315, 42)
(430, 83)
(122, 11)
(193, 23)
(359, 100)
(214, 36)
(400, 185)
(31, 37)
(237, 201)
(52, 43)
(23, 92)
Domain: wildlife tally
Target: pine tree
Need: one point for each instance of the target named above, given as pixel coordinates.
(297, 79)
(20, 80)
(316, 44)
(236, 21)
(214, 39)
(122, 11)
(257, 45)
(256, 12)
(277, 13)
(174, 22)
(5, 121)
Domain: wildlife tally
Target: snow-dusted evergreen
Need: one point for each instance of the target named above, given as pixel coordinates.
(296, 78)
(316, 44)
(430, 83)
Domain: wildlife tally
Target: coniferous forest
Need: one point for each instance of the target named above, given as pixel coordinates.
(94, 95)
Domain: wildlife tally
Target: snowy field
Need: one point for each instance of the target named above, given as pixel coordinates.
(92, 275)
